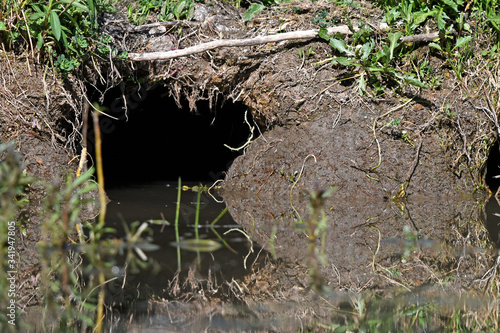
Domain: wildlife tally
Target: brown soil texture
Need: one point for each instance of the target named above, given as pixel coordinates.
(38, 118)
(366, 219)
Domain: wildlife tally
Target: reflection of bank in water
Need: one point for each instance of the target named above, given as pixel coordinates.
(492, 219)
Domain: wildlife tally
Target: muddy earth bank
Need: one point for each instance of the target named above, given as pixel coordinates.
(384, 197)
(408, 166)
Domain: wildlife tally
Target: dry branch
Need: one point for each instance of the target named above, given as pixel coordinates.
(420, 38)
(305, 34)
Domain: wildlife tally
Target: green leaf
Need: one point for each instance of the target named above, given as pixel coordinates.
(158, 222)
(323, 33)
(39, 42)
(3, 27)
(452, 4)
(393, 42)
(436, 46)
(179, 8)
(345, 61)
(190, 13)
(420, 17)
(440, 19)
(254, 9)
(64, 38)
(76, 4)
(462, 41)
(123, 55)
(202, 245)
(36, 16)
(494, 18)
(362, 84)
(367, 50)
(414, 81)
(339, 45)
(55, 24)
(373, 69)
(90, 187)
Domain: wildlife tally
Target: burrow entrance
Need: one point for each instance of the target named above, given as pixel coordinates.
(492, 209)
(157, 140)
(493, 169)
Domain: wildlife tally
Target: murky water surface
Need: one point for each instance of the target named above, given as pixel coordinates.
(492, 221)
(156, 201)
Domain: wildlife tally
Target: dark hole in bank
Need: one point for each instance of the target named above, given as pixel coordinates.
(144, 155)
(160, 141)
(493, 182)
(493, 168)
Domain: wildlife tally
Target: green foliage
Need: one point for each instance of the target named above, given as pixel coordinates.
(165, 10)
(253, 10)
(63, 206)
(196, 244)
(382, 63)
(376, 62)
(490, 8)
(321, 18)
(13, 182)
(68, 301)
(414, 13)
(316, 228)
(447, 16)
(62, 32)
(413, 312)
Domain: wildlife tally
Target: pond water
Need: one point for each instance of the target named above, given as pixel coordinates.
(492, 221)
(147, 292)
(156, 201)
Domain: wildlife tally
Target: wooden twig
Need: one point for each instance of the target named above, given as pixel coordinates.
(304, 34)
(420, 38)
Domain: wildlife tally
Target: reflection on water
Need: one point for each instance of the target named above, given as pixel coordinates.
(154, 201)
(428, 295)
(492, 222)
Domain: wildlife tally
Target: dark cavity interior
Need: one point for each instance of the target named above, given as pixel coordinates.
(161, 141)
(493, 169)
(492, 221)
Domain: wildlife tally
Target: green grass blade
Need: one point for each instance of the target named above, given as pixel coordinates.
(177, 210)
(220, 216)
(223, 241)
(197, 216)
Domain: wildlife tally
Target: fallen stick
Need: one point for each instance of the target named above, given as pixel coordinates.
(420, 38)
(305, 34)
